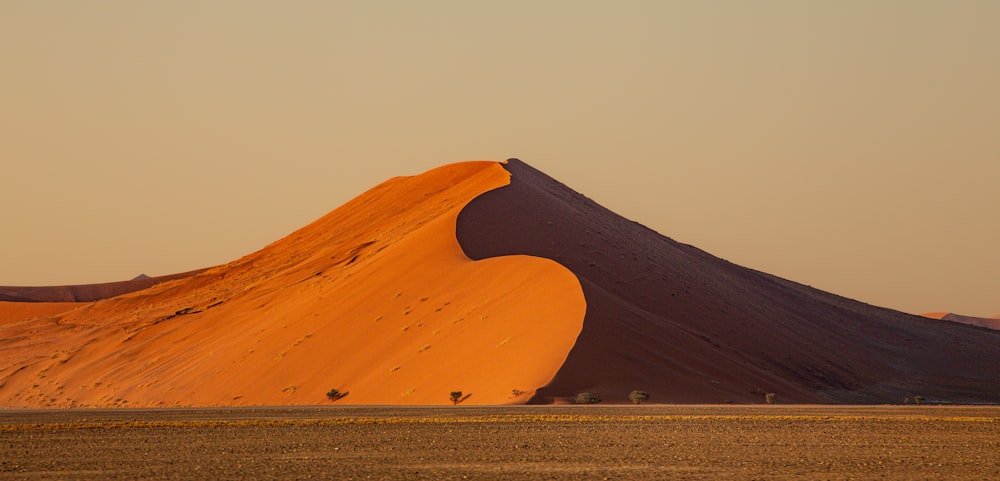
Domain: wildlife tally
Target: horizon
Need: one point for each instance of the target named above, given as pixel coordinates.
(850, 147)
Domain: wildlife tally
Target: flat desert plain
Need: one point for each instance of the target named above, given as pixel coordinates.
(521, 442)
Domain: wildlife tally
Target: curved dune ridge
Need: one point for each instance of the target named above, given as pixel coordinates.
(685, 326)
(375, 299)
(987, 322)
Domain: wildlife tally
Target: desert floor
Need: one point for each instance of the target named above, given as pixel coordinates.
(523, 442)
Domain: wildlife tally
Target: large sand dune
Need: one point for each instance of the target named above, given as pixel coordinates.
(375, 298)
(492, 279)
(686, 326)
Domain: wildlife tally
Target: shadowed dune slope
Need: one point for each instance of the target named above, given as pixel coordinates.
(85, 292)
(987, 322)
(375, 299)
(686, 326)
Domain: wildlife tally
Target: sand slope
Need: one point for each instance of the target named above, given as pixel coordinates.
(685, 326)
(11, 312)
(987, 322)
(375, 298)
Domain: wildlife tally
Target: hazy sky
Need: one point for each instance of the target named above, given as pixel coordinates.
(850, 145)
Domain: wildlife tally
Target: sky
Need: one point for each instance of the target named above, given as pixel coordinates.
(850, 145)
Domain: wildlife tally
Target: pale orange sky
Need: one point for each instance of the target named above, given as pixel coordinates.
(852, 146)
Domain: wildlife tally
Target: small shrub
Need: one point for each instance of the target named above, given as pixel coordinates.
(918, 400)
(516, 392)
(637, 397)
(769, 398)
(334, 394)
(455, 396)
(587, 398)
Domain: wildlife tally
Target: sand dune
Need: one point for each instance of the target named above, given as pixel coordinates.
(11, 312)
(686, 326)
(987, 322)
(492, 279)
(85, 292)
(375, 299)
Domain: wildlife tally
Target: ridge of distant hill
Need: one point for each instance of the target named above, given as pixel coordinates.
(987, 322)
(85, 292)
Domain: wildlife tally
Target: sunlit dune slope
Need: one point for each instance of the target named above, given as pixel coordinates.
(987, 322)
(84, 292)
(685, 326)
(11, 312)
(375, 299)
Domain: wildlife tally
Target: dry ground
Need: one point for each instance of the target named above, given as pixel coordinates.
(526, 442)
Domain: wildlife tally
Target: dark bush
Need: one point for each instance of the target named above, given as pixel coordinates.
(637, 397)
(587, 398)
(334, 394)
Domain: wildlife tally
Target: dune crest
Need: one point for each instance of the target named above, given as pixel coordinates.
(987, 322)
(375, 299)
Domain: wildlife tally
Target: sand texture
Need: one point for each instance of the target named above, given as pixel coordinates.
(375, 299)
(685, 326)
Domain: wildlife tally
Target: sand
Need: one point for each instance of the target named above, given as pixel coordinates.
(375, 299)
(494, 280)
(11, 312)
(688, 327)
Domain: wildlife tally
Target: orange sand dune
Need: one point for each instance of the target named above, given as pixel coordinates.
(987, 322)
(11, 312)
(685, 326)
(375, 298)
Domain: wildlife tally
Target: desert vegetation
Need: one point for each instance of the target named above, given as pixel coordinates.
(638, 397)
(587, 398)
(455, 397)
(335, 394)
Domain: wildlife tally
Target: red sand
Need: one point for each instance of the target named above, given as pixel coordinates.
(375, 298)
(11, 312)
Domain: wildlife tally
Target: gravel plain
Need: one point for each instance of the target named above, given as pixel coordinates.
(505, 443)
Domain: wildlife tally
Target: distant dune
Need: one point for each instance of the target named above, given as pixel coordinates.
(85, 292)
(987, 322)
(487, 278)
